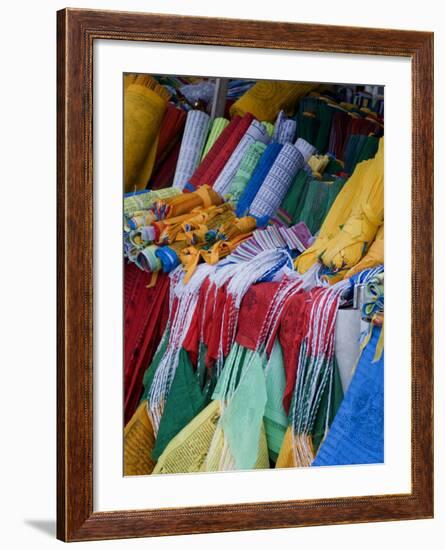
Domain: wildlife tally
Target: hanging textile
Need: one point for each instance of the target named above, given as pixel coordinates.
(356, 434)
(138, 442)
(145, 318)
(192, 145)
(145, 102)
(319, 198)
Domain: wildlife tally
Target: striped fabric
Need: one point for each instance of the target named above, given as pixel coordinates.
(195, 134)
(275, 186)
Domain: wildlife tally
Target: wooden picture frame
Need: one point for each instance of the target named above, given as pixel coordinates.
(76, 32)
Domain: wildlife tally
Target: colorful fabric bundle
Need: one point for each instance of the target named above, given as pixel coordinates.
(258, 176)
(255, 133)
(318, 391)
(267, 98)
(223, 151)
(200, 176)
(145, 102)
(277, 182)
(143, 200)
(184, 203)
(192, 145)
(353, 220)
(218, 125)
(232, 307)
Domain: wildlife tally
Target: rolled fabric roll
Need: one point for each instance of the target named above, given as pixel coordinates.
(305, 148)
(277, 182)
(218, 126)
(269, 127)
(176, 206)
(148, 260)
(267, 97)
(245, 170)
(198, 178)
(145, 102)
(168, 258)
(255, 132)
(193, 141)
(142, 200)
(170, 133)
(259, 174)
(284, 129)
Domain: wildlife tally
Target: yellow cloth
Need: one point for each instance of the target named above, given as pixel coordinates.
(296, 451)
(266, 99)
(138, 443)
(204, 197)
(145, 102)
(353, 220)
(187, 451)
(200, 447)
(374, 256)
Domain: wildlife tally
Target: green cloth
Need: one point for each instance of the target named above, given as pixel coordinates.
(269, 127)
(185, 400)
(242, 418)
(291, 204)
(359, 148)
(216, 130)
(275, 417)
(150, 372)
(245, 170)
(318, 201)
(326, 412)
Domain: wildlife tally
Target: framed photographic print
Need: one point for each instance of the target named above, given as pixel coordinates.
(241, 343)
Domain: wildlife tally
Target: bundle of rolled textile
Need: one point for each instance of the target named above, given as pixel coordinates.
(248, 238)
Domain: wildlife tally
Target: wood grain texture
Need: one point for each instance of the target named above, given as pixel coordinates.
(76, 32)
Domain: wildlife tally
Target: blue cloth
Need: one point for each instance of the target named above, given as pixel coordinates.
(259, 175)
(168, 257)
(356, 434)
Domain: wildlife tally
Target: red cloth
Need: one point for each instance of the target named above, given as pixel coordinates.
(145, 318)
(171, 131)
(253, 311)
(197, 178)
(192, 340)
(293, 328)
(215, 160)
(364, 126)
(164, 175)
